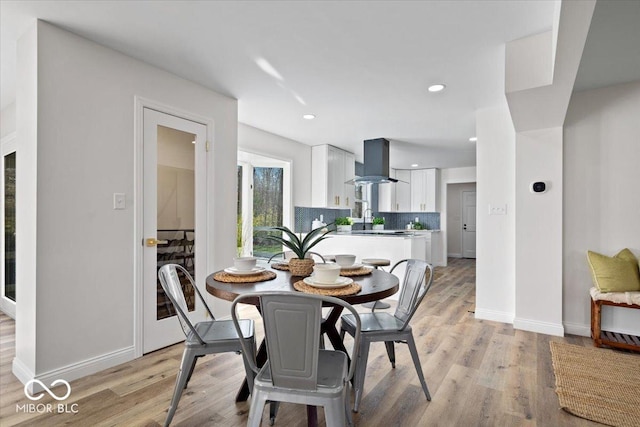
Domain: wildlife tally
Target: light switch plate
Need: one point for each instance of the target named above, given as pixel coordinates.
(497, 209)
(119, 201)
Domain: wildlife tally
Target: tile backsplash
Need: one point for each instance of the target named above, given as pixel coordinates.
(303, 217)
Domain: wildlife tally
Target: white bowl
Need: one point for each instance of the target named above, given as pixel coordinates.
(245, 263)
(345, 260)
(326, 273)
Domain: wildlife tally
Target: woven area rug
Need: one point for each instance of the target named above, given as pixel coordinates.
(597, 384)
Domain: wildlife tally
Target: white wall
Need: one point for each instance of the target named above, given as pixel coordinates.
(495, 236)
(454, 217)
(8, 120)
(267, 144)
(450, 176)
(539, 232)
(75, 124)
(602, 196)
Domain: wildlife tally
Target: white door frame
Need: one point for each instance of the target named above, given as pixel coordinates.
(246, 193)
(140, 104)
(8, 145)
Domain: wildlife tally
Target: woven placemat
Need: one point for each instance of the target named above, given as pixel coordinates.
(362, 271)
(221, 276)
(281, 267)
(597, 384)
(351, 289)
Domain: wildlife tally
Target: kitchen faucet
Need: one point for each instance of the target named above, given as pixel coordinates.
(366, 218)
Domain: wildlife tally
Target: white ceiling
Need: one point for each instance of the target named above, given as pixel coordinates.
(361, 67)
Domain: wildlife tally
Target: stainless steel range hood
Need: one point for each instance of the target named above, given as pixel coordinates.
(376, 162)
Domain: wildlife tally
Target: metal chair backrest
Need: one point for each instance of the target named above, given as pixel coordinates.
(292, 330)
(414, 288)
(172, 287)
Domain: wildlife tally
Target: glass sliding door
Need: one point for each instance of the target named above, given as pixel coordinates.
(267, 209)
(264, 201)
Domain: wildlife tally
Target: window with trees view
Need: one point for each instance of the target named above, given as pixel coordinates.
(267, 209)
(261, 197)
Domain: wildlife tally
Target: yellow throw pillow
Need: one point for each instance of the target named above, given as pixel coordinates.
(615, 274)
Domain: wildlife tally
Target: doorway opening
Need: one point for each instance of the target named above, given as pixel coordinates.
(264, 201)
(461, 215)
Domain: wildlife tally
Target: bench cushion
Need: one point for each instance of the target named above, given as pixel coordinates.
(615, 274)
(630, 298)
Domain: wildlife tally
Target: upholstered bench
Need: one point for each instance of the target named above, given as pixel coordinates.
(616, 299)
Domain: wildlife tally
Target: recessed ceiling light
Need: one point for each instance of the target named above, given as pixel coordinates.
(309, 116)
(473, 139)
(193, 142)
(436, 88)
(414, 165)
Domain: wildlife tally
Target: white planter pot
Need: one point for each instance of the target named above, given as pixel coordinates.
(343, 228)
(378, 227)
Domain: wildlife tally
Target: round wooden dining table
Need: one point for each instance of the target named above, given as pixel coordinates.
(375, 286)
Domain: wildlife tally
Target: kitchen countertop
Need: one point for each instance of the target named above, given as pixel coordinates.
(385, 233)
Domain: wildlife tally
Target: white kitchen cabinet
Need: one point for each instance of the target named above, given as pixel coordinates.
(424, 190)
(387, 195)
(403, 191)
(331, 167)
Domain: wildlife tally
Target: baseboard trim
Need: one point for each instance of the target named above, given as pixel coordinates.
(75, 371)
(21, 371)
(577, 329)
(454, 255)
(556, 329)
(494, 316)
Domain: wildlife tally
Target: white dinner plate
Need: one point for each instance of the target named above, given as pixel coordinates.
(339, 283)
(355, 266)
(235, 272)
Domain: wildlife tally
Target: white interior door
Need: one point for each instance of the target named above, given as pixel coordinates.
(174, 219)
(468, 224)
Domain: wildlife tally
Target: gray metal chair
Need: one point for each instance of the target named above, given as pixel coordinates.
(297, 370)
(382, 326)
(203, 338)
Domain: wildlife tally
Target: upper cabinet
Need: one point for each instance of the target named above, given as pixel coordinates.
(387, 195)
(403, 191)
(395, 197)
(424, 190)
(331, 169)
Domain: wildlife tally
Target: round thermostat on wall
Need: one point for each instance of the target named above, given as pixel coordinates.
(538, 187)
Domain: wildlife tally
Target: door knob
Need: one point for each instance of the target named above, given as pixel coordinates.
(152, 241)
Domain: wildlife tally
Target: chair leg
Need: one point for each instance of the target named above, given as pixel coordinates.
(346, 396)
(273, 411)
(334, 413)
(341, 334)
(250, 375)
(193, 365)
(391, 353)
(416, 362)
(258, 401)
(186, 366)
(361, 370)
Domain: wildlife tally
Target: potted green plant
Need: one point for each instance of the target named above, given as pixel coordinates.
(343, 224)
(378, 223)
(300, 265)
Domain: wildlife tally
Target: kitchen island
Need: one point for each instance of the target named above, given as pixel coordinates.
(394, 245)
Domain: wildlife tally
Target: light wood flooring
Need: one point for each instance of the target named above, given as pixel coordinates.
(480, 373)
